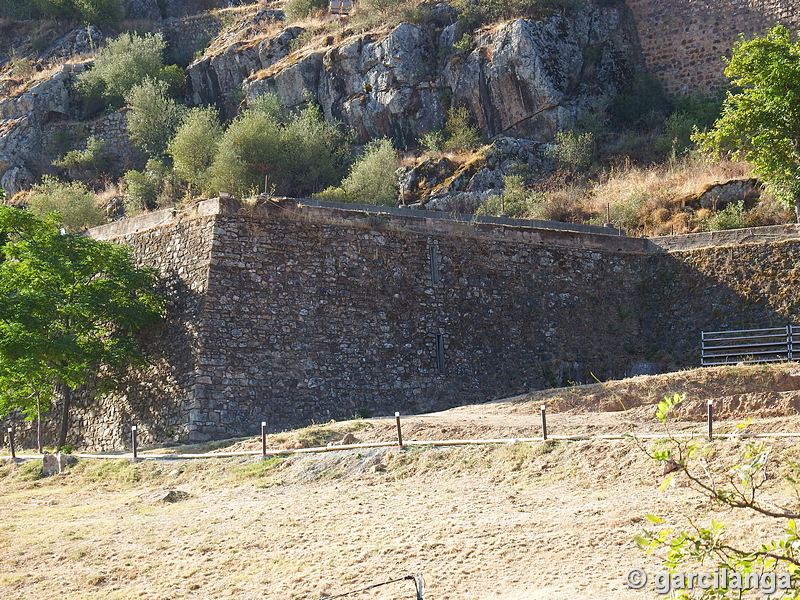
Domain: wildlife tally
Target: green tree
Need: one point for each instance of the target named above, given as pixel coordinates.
(74, 204)
(372, 178)
(123, 63)
(761, 120)
(298, 154)
(154, 117)
(195, 145)
(70, 307)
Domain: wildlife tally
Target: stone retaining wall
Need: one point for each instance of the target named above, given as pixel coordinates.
(290, 314)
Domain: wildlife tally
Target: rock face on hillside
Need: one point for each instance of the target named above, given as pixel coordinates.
(214, 78)
(22, 119)
(526, 78)
(442, 184)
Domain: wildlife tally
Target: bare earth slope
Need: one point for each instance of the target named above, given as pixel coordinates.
(510, 521)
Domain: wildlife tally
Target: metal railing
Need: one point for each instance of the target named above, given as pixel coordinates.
(776, 344)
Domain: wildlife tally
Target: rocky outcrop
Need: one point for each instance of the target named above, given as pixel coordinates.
(443, 184)
(525, 78)
(77, 42)
(215, 77)
(22, 119)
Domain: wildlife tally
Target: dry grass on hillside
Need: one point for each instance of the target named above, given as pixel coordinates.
(518, 521)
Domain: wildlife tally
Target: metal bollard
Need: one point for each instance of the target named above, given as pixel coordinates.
(263, 439)
(11, 443)
(133, 442)
(710, 420)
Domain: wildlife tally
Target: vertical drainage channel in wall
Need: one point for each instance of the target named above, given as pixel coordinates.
(440, 353)
(433, 254)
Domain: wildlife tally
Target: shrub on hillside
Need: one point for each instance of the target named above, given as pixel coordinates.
(730, 217)
(295, 155)
(125, 62)
(574, 151)
(86, 163)
(154, 117)
(73, 202)
(372, 178)
(515, 201)
(194, 146)
(154, 187)
(296, 10)
(461, 134)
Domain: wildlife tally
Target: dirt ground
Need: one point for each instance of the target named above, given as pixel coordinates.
(506, 521)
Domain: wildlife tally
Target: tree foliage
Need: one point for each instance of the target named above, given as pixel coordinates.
(372, 178)
(75, 206)
(194, 145)
(69, 309)
(761, 120)
(123, 63)
(296, 154)
(86, 163)
(754, 481)
(154, 116)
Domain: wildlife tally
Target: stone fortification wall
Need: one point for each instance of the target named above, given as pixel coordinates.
(683, 41)
(291, 314)
(312, 318)
(739, 286)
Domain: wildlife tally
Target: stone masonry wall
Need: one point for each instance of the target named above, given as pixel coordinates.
(291, 314)
(308, 319)
(683, 41)
(742, 286)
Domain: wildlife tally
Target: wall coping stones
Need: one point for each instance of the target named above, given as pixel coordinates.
(730, 237)
(547, 233)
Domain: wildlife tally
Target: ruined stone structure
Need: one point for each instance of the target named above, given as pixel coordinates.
(292, 313)
(683, 41)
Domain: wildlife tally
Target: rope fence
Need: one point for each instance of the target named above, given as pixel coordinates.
(266, 453)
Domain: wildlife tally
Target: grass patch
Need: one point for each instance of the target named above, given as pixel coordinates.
(259, 468)
(30, 470)
(117, 471)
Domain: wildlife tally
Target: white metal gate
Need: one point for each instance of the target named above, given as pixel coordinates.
(750, 345)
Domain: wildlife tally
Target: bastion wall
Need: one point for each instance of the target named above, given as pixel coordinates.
(294, 314)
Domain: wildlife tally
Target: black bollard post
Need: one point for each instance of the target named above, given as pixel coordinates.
(399, 431)
(710, 420)
(544, 423)
(133, 442)
(11, 443)
(263, 439)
